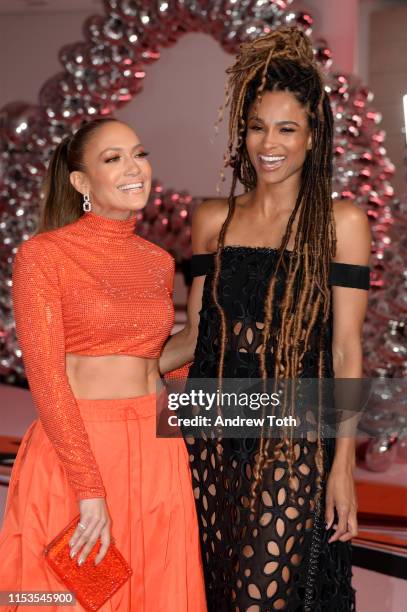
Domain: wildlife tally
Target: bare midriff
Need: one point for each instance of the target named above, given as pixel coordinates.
(112, 376)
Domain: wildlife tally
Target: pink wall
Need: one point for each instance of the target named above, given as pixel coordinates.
(175, 113)
(337, 21)
(29, 47)
(183, 90)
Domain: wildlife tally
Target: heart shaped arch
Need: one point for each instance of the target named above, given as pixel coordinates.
(106, 71)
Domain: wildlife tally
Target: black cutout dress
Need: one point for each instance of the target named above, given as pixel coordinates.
(281, 560)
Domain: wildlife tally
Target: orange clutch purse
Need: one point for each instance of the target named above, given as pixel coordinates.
(92, 584)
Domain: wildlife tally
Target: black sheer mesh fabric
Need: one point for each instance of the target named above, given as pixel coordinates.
(278, 558)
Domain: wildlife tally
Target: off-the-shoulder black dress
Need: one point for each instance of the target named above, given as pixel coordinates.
(282, 559)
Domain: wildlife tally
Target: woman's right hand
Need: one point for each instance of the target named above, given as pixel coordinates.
(94, 523)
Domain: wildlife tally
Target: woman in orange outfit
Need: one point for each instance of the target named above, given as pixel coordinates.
(93, 309)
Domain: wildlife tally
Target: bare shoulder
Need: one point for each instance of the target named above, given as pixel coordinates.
(212, 211)
(352, 233)
(207, 221)
(347, 213)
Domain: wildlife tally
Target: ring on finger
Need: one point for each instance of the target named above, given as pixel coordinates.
(82, 526)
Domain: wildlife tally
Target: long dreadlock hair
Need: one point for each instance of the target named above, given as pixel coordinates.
(283, 61)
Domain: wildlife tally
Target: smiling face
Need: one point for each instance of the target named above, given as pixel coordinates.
(278, 137)
(117, 175)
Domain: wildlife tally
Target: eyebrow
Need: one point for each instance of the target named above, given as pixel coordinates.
(120, 148)
(285, 122)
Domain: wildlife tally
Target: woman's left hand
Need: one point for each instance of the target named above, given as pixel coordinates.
(341, 494)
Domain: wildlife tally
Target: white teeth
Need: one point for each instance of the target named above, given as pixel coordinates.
(130, 186)
(271, 158)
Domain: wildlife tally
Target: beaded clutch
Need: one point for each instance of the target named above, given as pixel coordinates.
(92, 584)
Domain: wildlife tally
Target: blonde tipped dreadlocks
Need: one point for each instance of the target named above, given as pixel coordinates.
(284, 61)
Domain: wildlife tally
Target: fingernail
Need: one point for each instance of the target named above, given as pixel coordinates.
(80, 561)
(72, 554)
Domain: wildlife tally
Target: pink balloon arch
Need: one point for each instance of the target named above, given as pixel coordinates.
(106, 70)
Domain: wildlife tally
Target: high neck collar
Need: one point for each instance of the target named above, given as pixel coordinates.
(96, 225)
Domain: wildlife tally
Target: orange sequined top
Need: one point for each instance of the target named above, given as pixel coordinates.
(92, 287)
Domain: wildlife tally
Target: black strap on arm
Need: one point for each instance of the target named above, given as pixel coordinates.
(349, 275)
(201, 264)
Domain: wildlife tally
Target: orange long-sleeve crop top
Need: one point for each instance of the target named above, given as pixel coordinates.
(92, 287)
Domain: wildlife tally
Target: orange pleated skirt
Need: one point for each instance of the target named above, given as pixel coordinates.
(150, 500)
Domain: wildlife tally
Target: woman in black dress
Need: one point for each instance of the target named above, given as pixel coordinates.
(279, 291)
